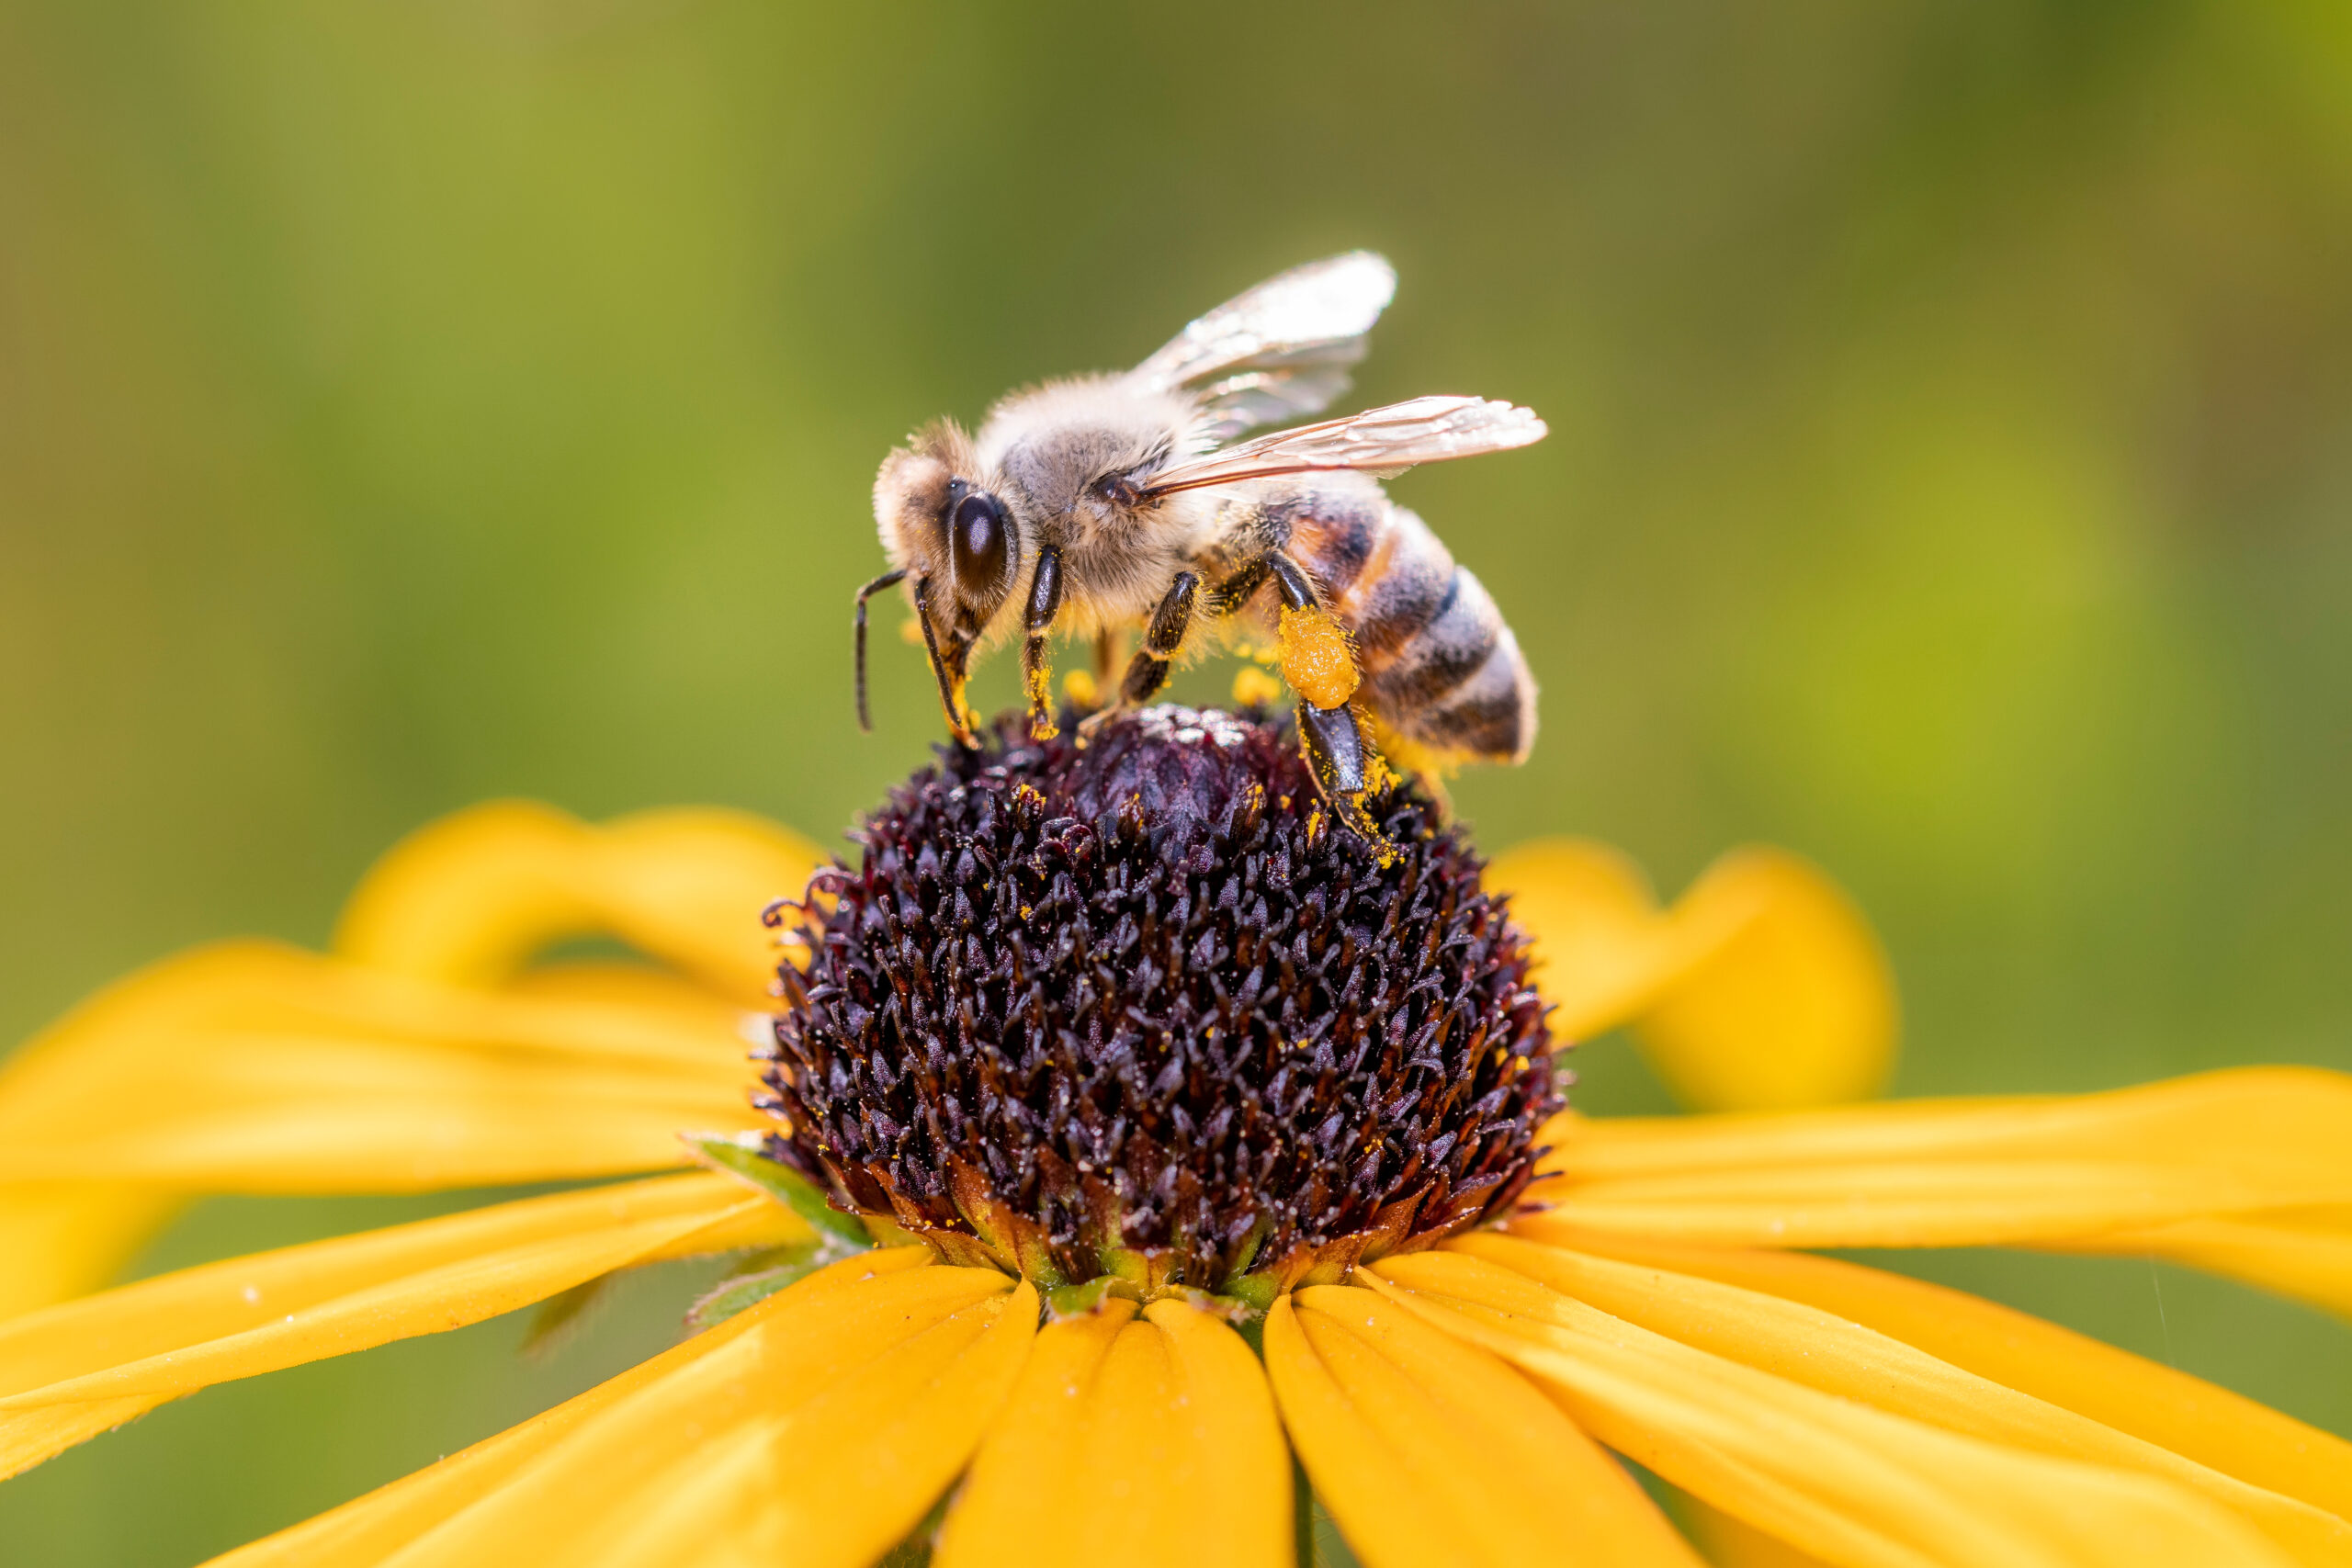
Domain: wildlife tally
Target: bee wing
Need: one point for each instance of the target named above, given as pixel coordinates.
(1279, 351)
(1384, 441)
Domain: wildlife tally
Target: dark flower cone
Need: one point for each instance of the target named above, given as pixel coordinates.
(1138, 1008)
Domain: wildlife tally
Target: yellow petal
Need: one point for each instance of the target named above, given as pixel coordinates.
(471, 899)
(1763, 988)
(254, 1067)
(62, 1239)
(1134, 1442)
(2193, 1418)
(1793, 1005)
(1806, 1345)
(817, 1435)
(1604, 950)
(2270, 1147)
(73, 1370)
(1727, 1542)
(2302, 1252)
(369, 1529)
(1428, 1450)
(1038, 1452)
(1846, 1483)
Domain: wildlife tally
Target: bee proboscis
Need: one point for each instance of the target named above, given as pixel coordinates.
(1102, 505)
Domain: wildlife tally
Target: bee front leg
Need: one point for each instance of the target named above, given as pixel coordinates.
(1037, 664)
(948, 664)
(1148, 670)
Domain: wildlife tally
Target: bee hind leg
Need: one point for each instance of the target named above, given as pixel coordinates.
(1319, 659)
(1344, 765)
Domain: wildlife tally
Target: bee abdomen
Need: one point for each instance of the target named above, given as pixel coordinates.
(1440, 666)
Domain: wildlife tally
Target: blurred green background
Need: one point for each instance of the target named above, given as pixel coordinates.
(1950, 479)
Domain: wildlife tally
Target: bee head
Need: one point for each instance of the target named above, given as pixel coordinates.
(943, 523)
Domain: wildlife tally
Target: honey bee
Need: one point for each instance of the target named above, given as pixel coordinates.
(1103, 504)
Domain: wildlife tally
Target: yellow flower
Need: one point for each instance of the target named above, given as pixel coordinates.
(1453, 1397)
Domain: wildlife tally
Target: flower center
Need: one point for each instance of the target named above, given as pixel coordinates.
(1140, 1009)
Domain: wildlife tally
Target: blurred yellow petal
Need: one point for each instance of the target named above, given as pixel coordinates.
(2194, 1418)
(1141, 1441)
(369, 1529)
(1806, 1345)
(1793, 1002)
(254, 1067)
(2301, 1252)
(62, 1238)
(1430, 1451)
(71, 1371)
(1728, 1542)
(471, 899)
(2266, 1148)
(1852, 1484)
(1762, 989)
(1603, 949)
(817, 1434)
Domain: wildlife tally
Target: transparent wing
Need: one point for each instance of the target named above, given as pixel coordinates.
(1279, 351)
(1383, 441)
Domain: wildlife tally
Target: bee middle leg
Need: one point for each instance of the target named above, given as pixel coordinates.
(1148, 670)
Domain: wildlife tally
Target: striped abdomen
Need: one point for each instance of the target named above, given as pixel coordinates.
(1440, 666)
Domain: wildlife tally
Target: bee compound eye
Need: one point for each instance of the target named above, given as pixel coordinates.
(977, 532)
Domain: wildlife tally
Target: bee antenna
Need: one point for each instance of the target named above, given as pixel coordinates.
(887, 580)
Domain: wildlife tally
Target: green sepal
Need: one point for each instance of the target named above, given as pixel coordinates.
(1256, 1292)
(1247, 1253)
(888, 1232)
(754, 1280)
(1077, 1301)
(731, 1154)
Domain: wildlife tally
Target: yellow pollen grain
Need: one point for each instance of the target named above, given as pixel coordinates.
(1317, 659)
(911, 633)
(1079, 687)
(1253, 688)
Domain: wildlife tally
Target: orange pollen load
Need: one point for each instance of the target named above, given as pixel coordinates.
(1317, 659)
